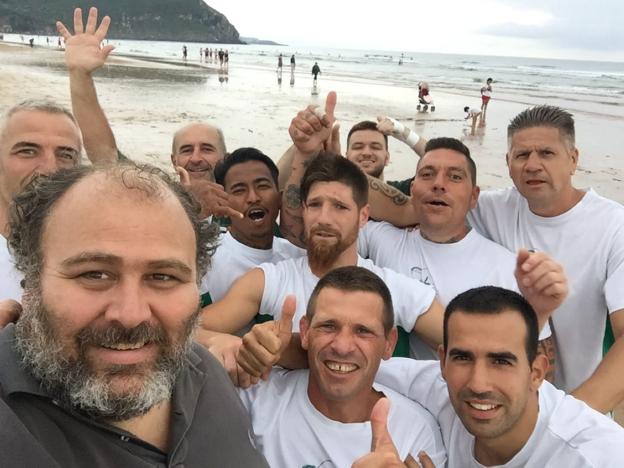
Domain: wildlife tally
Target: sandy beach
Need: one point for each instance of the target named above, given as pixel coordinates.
(146, 101)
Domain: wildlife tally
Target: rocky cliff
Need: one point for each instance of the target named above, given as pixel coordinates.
(166, 20)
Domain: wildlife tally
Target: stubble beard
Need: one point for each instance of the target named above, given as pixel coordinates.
(69, 377)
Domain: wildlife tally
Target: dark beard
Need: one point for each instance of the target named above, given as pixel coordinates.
(72, 381)
(322, 255)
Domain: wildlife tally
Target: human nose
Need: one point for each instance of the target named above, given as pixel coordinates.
(252, 196)
(343, 342)
(129, 307)
(533, 162)
(439, 182)
(479, 379)
(48, 162)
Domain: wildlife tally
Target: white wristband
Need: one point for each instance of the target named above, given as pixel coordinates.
(398, 129)
(412, 139)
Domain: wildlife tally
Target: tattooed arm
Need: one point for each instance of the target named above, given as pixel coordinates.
(291, 219)
(389, 204)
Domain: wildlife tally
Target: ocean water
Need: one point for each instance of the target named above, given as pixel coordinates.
(591, 86)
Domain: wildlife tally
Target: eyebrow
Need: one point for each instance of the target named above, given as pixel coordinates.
(500, 355)
(101, 257)
(255, 181)
(451, 168)
(334, 199)
(22, 144)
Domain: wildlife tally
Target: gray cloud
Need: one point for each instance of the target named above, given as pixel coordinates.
(577, 24)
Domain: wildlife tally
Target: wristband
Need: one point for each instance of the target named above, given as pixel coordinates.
(412, 139)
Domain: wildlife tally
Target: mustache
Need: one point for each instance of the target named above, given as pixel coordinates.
(489, 396)
(324, 228)
(116, 334)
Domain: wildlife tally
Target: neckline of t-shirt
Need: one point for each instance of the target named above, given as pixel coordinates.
(563, 217)
(451, 245)
(521, 458)
(228, 237)
(324, 420)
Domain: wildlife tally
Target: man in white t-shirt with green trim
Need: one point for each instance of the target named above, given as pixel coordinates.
(249, 178)
(443, 251)
(490, 399)
(334, 193)
(576, 227)
(321, 416)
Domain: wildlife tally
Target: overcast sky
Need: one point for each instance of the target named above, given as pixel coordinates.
(574, 29)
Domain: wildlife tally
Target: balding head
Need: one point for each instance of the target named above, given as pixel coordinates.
(198, 147)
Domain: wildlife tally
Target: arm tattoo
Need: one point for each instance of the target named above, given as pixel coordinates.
(547, 348)
(397, 197)
(293, 197)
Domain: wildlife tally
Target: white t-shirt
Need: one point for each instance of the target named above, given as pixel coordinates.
(233, 259)
(588, 241)
(10, 278)
(410, 298)
(291, 432)
(450, 268)
(568, 433)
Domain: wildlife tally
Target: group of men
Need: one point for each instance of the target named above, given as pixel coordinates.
(131, 307)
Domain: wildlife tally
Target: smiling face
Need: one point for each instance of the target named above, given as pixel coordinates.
(35, 142)
(367, 149)
(332, 221)
(541, 165)
(118, 297)
(443, 193)
(198, 148)
(491, 384)
(345, 342)
(253, 192)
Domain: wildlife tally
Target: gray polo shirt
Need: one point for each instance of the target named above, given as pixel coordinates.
(209, 425)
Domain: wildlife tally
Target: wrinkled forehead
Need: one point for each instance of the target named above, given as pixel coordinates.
(196, 134)
(40, 127)
(542, 136)
(333, 190)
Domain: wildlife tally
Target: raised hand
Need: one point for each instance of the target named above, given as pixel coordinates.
(383, 453)
(83, 50)
(542, 282)
(263, 345)
(210, 195)
(311, 128)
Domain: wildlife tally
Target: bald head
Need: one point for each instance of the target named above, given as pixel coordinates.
(198, 147)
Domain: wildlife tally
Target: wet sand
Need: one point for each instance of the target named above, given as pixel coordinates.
(146, 101)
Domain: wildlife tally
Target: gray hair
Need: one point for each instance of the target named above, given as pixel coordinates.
(32, 207)
(544, 116)
(37, 105)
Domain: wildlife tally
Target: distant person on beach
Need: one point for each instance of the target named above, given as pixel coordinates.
(201, 54)
(221, 54)
(474, 114)
(315, 71)
(59, 43)
(292, 63)
(486, 95)
(184, 53)
(279, 63)
(32, 42)
(206, 55)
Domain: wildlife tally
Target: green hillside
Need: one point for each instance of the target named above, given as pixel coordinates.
(179, 20)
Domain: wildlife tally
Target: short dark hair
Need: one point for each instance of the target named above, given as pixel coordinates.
(330, 167)
(545, 116)
(355, 279)
(31, 208)
(365, 125)
(243, 155)
(466, 109)
(492, 300)
(455, 145)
